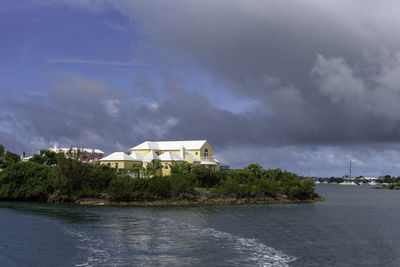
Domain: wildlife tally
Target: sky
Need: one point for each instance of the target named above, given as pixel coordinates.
(304, 86)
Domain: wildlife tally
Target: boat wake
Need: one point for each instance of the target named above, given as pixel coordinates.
(256, 251)
(92, 252)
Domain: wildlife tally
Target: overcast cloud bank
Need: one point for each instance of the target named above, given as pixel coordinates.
(322, 80)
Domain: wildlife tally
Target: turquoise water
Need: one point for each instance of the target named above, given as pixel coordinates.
(355, 226)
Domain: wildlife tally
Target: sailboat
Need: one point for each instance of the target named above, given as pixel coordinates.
(349, 182)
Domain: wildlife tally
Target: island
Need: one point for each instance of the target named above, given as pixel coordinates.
(55, 178)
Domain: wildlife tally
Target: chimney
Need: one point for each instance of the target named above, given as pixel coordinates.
(182, 152)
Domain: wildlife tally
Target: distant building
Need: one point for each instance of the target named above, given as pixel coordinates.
(24, 158)
(121, 160)
(198, 152)
(86, 155)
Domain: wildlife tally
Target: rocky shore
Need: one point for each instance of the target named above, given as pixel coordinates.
(178, 202)
(385, 187)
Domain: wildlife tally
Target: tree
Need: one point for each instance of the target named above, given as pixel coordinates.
(1, 151)
(160, 187)
(153, 167)
(72, 177)
(121, 188)
(255, 170)
(68, 175)
(44, 157)
(25, 181)
(181, 167)
(204, 176)
(10, 158)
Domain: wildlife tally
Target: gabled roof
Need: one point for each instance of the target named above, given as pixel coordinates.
(170, 145)
(82, 149)
(168, 156)
(137, 156)
(193, 157)
(150, 156)
(118, 156)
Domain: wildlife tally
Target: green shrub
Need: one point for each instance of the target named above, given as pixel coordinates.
(10, 158)
(228, 186)
(255, 171)
(121, 188)
(263, 187)
(160, 187)
(181, 184)
(204, 176)
(25, 181)
(72, 177)
(45, 157)
(181, 168)
(97, 177)
(304, 189)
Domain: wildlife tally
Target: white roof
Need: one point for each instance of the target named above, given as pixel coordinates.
(170, 145)
(168, 156)
(118, 156)
(193, 157)
(137, 156)
(150, 156)
(208, 162)
(65, 150)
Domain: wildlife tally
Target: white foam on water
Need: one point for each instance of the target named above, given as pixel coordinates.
(258, 252)
(94, 254)
(252, 251)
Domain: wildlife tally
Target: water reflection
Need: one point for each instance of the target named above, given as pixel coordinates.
(355, 226)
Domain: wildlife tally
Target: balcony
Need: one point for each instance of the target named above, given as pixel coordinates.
(208, 159)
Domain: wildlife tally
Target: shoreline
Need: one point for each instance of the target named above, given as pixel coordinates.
(191, 202)
(386, 188)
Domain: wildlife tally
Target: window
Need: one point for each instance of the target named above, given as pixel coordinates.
(166, 166)
(196, 153)
(116, 165)
(206, 153)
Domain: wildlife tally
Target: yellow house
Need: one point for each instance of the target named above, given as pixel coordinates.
(198, 152)
(121, 160)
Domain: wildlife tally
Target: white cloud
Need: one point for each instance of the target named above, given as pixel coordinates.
(127, 64)
(372, 95)
(112, 106)
(337, 80)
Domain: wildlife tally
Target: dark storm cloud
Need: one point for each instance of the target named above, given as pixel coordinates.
(75, 111)
(324, 76)
(11, 143)
(323, 72)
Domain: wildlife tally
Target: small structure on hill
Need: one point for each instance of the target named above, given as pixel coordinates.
(86, 155)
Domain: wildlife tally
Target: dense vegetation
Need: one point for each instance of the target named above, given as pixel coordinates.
(48, 173)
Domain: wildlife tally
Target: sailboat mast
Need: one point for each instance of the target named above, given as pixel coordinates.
(350, 169)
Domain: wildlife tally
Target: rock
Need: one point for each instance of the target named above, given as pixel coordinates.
(104, 196)
(59, 199)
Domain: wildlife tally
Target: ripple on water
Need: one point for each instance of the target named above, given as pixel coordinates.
(167, 251)
(251, 249)
(93, 254)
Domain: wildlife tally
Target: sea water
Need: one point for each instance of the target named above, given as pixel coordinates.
(355, 226)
